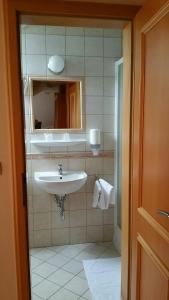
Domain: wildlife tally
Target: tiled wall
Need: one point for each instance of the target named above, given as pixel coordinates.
(90, 54)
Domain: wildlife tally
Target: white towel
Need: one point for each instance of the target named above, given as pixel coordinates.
(107, 194)
(96, 194)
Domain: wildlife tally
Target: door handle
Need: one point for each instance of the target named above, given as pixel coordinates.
(163, 213)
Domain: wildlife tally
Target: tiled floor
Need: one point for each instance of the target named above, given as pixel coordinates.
(57, 272)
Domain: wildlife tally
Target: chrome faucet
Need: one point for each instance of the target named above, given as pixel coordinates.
(60, 170)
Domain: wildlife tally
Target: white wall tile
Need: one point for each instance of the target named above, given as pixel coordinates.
(94, 166)
(94, 66)
(94, 105)
(90, 183)
(74, 66)
(42, 238)
(108, 123)
(94, 121)
(22, 28)
(108, 165)
(28, 162)
(27, 105)
(94, 233)
(94, 217)
(42, 203)
(94, 32)
(36, 64)
(113, 32)
(112, 47)
(30, 204)
(78, 235)
(76, 164)
(79, 147)
(108, 105)
(58, 149)
(97, 74)
(29, 186)
(27, 123)
(108, 216)
(30, 222)
(23, 65)
(27, 147)
(93, 46)
(60, 236)
(75, 45)
(39, 165)
(35, 44)
(108, 141)
(35, 29)
(108, 232)
(57, 30)
(94, 86)
(31, 239)
(42, 221)
(23, 43)
(74, 31)
(55, 44)
(77, 201)
(109, 88)
(77, 218)
(109, 66)
(89, 200)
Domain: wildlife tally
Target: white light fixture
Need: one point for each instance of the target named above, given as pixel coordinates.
(56, 64)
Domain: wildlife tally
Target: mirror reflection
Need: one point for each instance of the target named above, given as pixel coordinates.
(56, 104)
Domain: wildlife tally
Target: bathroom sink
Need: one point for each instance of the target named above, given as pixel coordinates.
(54, 183)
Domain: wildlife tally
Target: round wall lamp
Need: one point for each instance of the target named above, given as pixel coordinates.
(56, 64)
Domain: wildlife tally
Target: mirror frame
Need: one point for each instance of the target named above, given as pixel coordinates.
(55, 130)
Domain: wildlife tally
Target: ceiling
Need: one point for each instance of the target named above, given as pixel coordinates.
(130, 2)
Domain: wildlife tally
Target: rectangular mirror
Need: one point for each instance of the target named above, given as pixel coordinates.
(55, 103)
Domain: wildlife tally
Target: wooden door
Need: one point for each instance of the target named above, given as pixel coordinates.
(74, 105)
(150, 154)
(60, 120)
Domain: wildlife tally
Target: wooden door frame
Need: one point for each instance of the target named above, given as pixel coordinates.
(13, 96)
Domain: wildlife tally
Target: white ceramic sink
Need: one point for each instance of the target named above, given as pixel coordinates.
(68, 182)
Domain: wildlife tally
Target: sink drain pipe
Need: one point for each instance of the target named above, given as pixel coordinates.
(60, 201)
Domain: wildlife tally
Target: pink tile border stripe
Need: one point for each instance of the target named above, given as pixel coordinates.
(108, 154)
